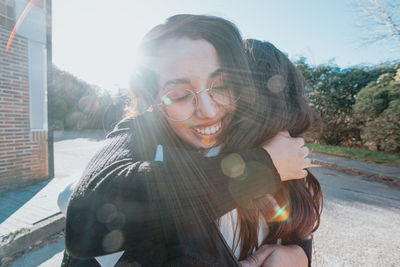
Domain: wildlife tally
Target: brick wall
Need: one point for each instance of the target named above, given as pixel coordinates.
(23, 153)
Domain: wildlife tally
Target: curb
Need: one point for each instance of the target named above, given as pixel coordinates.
(15, 243)
(386, 178)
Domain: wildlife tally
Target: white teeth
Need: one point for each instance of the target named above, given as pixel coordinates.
(209, 130)
(213, 130)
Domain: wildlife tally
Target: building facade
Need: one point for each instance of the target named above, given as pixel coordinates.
(23, 89)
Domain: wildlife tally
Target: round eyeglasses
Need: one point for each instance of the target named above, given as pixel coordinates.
(180, 104)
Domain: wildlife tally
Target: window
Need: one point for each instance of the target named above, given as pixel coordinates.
(7, 13)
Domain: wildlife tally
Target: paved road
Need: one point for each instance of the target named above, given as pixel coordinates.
(360, 222)
(73, 150)
(359, 225)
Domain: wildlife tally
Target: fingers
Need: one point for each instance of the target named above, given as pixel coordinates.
(284, 133)
(304, 151)
(289, 155)
(299, 141)
(302, 174)
(296, 176)
(307, 163)
(258, 258)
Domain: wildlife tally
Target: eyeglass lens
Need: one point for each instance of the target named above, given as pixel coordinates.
(181, 103)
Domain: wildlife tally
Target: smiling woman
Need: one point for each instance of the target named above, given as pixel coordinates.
(205, 65)
(150, 193)
(193, 96)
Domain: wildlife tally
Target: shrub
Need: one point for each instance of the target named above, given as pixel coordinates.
(332, 92)
(378, 107)
(382, 133)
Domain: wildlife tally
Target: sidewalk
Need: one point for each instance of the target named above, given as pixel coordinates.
(362, 167)
(29, 215)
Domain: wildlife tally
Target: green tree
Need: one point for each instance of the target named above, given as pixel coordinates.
(378, 107)
(332, 92)
(75, 104)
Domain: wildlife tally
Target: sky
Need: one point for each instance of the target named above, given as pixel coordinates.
(96, 40)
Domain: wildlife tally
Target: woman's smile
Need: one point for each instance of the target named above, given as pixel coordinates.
(210, 129)
(193, 65)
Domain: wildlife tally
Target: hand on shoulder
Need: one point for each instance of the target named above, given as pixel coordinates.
(288, 155)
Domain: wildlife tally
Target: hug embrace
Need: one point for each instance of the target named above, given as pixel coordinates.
(209, 167)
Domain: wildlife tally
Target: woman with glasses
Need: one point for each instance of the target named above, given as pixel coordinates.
(151, 194)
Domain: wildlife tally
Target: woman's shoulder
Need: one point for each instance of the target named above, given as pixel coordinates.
(126, 125)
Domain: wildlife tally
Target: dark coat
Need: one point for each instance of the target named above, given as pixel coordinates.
(160, 213)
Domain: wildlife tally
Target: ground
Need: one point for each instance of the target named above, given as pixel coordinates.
(359, 224)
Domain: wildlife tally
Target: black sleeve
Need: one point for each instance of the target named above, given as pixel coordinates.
(306, 245)
(122, 202)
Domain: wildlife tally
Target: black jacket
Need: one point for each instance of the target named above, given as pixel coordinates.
(160, 213)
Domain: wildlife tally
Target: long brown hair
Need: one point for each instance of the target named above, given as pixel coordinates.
(227, 41)
(258, 108)
(221, 33)
(294, 211)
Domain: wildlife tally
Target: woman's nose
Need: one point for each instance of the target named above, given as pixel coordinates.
(206, 106)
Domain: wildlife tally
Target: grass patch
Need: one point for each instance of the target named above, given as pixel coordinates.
(13, 234)
(357, 153)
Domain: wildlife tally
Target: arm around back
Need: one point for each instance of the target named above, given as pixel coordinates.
(123, 201)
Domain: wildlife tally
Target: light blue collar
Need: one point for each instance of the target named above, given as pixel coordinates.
(159, 156)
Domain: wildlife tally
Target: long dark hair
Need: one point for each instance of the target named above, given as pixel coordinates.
(221, 33)
(227, 41)
(280, 106)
